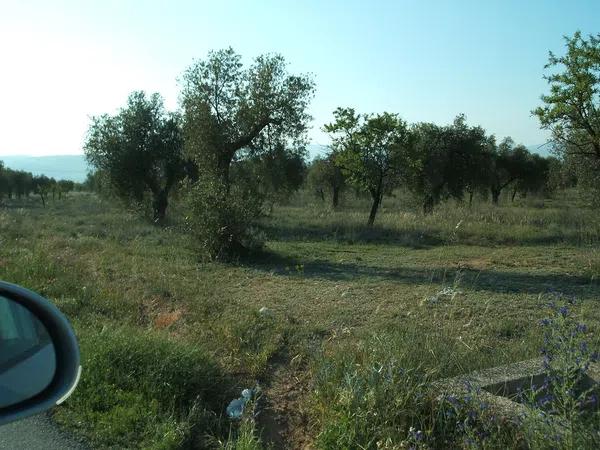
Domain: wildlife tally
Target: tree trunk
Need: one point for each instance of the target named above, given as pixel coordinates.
(320, 194)
(470, 199)
(43, 200)
(514, 194)
(495, 196)
(376, 195)
(336, 196)
(160, 203)
(223, 166)
(428, 205)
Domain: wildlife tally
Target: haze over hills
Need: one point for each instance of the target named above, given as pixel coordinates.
(74, 167)
(66, 167)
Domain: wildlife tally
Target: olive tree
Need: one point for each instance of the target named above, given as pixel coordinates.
(372, 150)
(571, 110)
(234, 113)
(509, 165)
(230, 108)
(42, 185)
(139, 150)
(276, 174)
(534, 177)
(64, 187)
(448, 161)
(325, 175)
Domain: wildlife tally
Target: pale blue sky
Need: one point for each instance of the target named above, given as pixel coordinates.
(62, 61)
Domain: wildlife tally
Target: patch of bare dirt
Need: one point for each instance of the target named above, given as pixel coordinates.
(283, 419)
(475, 264)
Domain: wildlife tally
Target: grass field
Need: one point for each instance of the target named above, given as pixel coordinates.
(168, 340)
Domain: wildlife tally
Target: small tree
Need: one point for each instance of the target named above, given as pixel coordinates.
(449, 161)
(139, 150)
(373, 150)
(325, 175)
(534, 176)
(42, 186)
(509, 164)
(64, 187)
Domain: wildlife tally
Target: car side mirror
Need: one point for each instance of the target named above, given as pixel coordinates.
(39, 354)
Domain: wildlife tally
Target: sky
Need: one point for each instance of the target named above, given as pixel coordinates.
(63, 61)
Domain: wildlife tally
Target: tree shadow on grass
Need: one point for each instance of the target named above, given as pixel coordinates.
(416, 239)
(498, 281)
(352, 234)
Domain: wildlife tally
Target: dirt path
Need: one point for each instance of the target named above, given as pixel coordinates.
(283, 420)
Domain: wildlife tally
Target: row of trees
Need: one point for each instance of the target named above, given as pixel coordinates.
(20, 184)
(377, 153)
(241, 132)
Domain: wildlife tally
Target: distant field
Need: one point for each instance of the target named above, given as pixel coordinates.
(169, 340)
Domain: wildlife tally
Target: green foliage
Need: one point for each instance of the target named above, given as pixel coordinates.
(139, 151)
(276, 174)
(64, 187)
(372, 150)
(229, 108)
(571, 109)
(325, 175)
(244, 438)
(449, 160)
(376, 395)
(222, 221)
(535, 174)
(143, 390)
(509, 165)
(236, 114)
(42, 185)
(367, 397)
(15, 182)
(326, 279)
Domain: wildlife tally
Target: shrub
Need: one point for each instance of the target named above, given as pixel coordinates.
(563, 412)
(222, 220)
(142, 390)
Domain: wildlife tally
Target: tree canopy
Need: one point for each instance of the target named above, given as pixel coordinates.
(449, 161)
(571, 110)
(229, 107)
(325, 175)
(372, 150)
(140, 150)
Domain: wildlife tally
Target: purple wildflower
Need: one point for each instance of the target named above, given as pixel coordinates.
(564, 311)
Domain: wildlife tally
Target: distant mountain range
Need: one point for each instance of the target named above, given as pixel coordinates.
(65, 167)
(541, 149)
(74, 167)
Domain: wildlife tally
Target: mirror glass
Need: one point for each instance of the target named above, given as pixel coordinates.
(27, 357)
